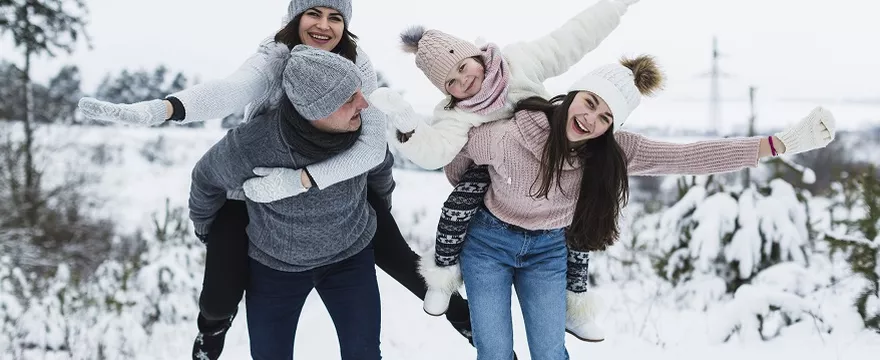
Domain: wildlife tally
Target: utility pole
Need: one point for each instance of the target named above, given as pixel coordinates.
(754, 115)
(715, 91)
(714, 74)
(748, 176)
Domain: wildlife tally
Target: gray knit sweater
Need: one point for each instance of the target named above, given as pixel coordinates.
(256, 87)
(315, 228)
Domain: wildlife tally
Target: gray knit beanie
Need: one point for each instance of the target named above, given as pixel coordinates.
(297, 7)
(319, 82)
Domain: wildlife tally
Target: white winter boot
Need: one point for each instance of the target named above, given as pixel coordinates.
(580, 316)
(442, 282)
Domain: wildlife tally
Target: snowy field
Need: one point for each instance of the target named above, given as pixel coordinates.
(645, 318)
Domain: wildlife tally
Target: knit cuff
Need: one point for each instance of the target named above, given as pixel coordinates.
(578, 273)
(743, 152)
(796, 141)
(311, 179)
(201, 229)
(178, 112)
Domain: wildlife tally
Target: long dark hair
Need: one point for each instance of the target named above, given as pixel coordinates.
(289, 36)
(604, 187)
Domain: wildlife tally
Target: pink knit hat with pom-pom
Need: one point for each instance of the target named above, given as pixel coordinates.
(436, 52)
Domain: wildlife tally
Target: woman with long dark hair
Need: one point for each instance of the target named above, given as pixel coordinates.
(559, 175)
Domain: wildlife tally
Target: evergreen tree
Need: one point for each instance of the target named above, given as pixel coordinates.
(861, 195)
(11, 91)
(39, 27)
(745, 251)
(60, 97)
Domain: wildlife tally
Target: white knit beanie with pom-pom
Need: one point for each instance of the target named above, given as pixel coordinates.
(621, 85)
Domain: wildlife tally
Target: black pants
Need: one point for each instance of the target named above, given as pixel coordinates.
(226, 263)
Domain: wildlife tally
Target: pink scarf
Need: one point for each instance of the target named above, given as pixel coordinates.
(493, 92)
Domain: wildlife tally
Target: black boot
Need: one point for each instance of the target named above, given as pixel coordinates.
(463, 328)
(212, 335)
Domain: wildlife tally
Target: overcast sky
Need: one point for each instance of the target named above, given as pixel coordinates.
(788, 48)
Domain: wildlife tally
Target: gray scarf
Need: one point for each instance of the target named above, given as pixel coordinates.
(305, 139)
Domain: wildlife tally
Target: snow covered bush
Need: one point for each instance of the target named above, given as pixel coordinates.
(156, 151)
(152, 286)
(51, 222)
(746, 253)
(630, 258)
(147, 288)
(171, 278)
(13, 288)
(45, 327)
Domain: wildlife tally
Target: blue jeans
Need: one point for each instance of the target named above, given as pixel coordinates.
(497, 255)
(349, 290)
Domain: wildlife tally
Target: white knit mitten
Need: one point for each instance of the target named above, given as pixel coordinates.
(628, 2)
(273, 184)
(147, 113)
(812, 132)
(399, 112)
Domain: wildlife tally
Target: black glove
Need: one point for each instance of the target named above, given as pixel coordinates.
(203, 238)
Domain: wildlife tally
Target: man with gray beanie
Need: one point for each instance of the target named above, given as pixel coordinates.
(318, 239)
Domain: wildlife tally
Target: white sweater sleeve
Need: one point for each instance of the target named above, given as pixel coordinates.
(250, 83)
(369, 150)
(554, 53)
(435, 145)
(436, 141)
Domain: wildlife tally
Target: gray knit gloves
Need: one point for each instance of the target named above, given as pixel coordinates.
(142, 113)
(273, 184)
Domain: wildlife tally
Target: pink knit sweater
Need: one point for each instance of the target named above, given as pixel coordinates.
(512, 149)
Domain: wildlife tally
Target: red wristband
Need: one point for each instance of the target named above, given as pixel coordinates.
(772, 148)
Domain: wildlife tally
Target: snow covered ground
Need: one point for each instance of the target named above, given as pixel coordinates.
(140, 168)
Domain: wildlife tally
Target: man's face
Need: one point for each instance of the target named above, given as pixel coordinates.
(345, 119)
